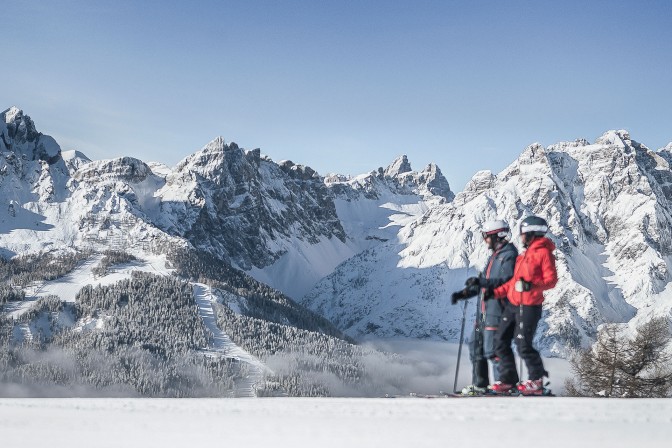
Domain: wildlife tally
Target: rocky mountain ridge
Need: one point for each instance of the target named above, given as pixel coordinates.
(609, 211)
(234, 203)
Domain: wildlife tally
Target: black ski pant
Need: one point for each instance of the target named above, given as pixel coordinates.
(518, 323)
(482, 349)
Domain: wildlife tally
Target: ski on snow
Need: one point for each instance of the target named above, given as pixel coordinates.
(546, 393)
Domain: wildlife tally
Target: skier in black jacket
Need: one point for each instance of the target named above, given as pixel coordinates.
(498, 270)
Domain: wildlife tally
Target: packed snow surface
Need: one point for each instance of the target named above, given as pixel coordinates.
(319, 422)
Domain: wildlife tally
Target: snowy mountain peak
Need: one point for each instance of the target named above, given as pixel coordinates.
(11, 114)
(396, 179)
(74, 154)
(74, 160)
(19, 135)
(479, 182)
(18, 124)
(15, 126)
(435, 181)
(219, 144)
(668, 148)
(533, 153)
(301, 172)
(666, 153)
(431, 168)
(215, 158)
(399, 166)
(619, 138)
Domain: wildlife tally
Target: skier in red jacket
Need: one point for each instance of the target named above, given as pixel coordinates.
(533, 274)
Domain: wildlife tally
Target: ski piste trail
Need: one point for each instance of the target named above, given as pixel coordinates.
(221, 344)
(67, 287)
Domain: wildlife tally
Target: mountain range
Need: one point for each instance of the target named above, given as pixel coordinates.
(377, 254)
(609, 210)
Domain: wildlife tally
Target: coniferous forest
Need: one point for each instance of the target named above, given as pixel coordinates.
(139, 337)
(143, 336)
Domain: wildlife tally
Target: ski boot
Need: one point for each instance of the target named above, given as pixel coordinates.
(500, 388)
(531, 387)
(473, 390)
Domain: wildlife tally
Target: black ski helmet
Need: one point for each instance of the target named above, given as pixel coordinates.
(534, 225)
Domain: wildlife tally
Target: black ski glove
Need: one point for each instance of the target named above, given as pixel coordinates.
(466, 293)
(456, 296)
(523, 285)
(479, 282)
(473, 281)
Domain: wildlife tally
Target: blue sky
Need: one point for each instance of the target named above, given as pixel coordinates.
(341, 86)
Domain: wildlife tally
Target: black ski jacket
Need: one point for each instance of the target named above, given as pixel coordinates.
(498, 270)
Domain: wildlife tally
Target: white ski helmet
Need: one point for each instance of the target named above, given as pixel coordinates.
(496, 227)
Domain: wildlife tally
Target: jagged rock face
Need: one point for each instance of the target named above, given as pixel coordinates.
(399, 166)
(280, 221)
(31, 167)
(245, 208)
(398, 179)
(122, 187)
(373, 206)
(124, 169)
(18, 135)
(234, 203)
(436, 183)
(609, 213)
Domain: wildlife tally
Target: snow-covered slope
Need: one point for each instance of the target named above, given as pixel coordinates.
(370, 208)
(335, 423)
(33, 178)
(609, 209)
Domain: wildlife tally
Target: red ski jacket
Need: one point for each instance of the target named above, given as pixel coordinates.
(536, 266)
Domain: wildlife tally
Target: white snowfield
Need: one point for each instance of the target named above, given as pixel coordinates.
(338, 423)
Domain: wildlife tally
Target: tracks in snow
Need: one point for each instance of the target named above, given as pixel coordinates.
(221, 345)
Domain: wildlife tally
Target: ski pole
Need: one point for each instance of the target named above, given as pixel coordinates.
(521, 336)
(459, 348)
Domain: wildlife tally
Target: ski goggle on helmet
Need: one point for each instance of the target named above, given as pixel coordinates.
(534, 225)
(497, 228)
